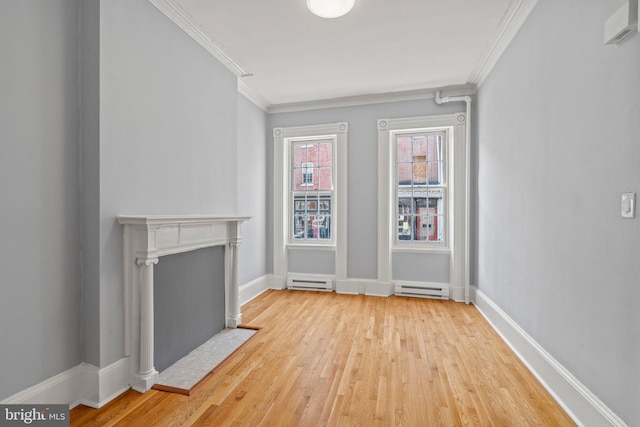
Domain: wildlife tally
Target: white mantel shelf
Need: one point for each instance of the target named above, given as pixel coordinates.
(146, 239)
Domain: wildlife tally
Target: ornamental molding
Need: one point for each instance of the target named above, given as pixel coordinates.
(377, 98)
(513, 18)
(182, 19)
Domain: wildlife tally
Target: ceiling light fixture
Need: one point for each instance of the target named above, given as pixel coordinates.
(330, 8)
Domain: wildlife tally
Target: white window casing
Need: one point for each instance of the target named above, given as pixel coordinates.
(455, 194)
(284, 194)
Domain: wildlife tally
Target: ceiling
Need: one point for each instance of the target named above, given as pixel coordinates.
(285, 55)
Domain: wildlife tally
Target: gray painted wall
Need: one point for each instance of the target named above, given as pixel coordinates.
(311, 261)
(417, 266)
(90, 172)
(188, 295)
(362, 180)
(252, 191)
(99, 116)
(168, 128)
(39, 217)
(559, 141)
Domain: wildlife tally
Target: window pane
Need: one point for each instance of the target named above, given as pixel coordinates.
(404, 206)
(404, 227)
(434, 206)
(436, 232)
(326, 179)
(298, 226)
(312, 217)
(422, 228)
(326, 154)
(299, 205)
(296, 179)
(436, 219)
(405, 172)
(299, 155)
(435, 173)
(324, 227)
(420, 204)
(419, 146)
(434, 152)
(419, 171)
(312, 205)
(313, 227)
(404, 150)
(405, 211)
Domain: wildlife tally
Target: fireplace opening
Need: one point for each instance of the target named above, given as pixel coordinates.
(189, 302)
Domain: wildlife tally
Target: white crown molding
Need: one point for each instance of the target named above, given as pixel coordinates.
(188, 24)
(584, 407)
(185, 21)
(378, 98)
(253, 96)
(511, 21)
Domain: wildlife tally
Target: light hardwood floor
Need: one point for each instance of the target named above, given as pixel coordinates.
(324, 359)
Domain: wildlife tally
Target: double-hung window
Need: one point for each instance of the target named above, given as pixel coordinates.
(420, 186)
(310, 195)
(311, 189)
(423, 208)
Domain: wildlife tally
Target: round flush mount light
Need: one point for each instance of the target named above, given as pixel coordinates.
(330, 8)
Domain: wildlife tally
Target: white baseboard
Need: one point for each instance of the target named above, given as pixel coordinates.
(364, 286)
(575, 398)
(349, 286)
(457, 293)
(64, 388)
(254, 288)
(102, 385)
(277, 283)
(83, 384)
(377, 289)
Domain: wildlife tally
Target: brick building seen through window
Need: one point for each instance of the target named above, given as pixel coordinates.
(420, 187)
(312, 190)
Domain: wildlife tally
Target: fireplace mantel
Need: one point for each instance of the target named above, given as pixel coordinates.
(146, 239)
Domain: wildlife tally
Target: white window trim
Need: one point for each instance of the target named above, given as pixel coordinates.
(282, 137)
(458, 214)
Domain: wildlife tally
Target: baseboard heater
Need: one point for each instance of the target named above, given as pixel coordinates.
(310, 284)
(422, 290)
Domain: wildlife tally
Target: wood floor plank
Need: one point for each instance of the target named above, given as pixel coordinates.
(324, 359)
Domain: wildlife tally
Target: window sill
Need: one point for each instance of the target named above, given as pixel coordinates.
(422, 249)
(312, 246)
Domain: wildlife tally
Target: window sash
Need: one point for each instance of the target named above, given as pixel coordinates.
(420, 182)
(311, 190)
